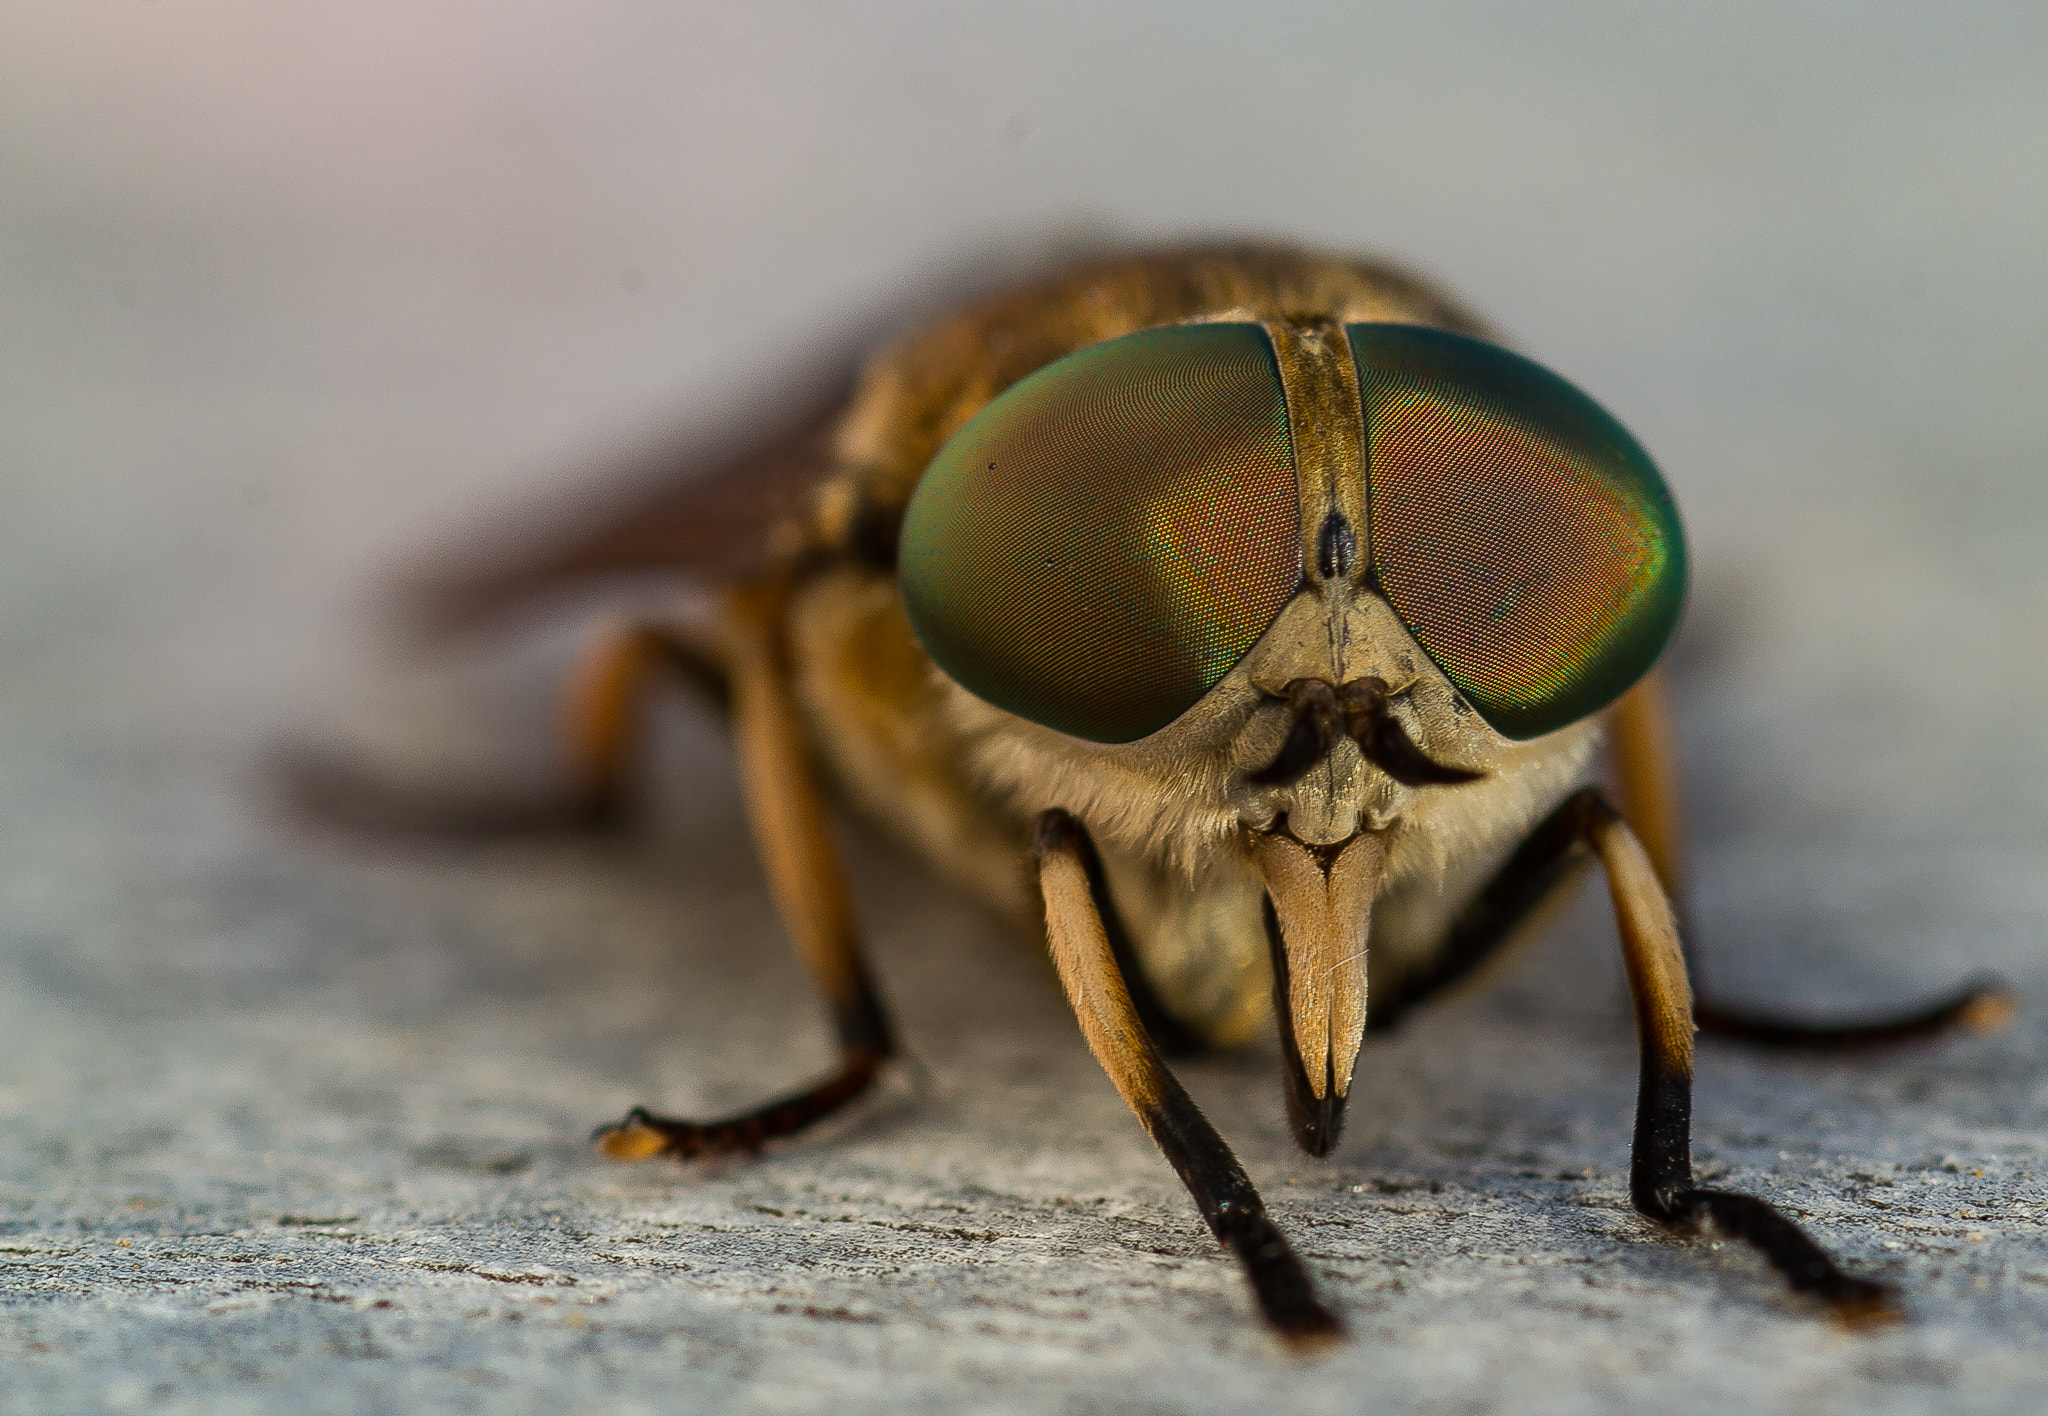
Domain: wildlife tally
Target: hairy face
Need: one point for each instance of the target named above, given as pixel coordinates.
(1190, 792)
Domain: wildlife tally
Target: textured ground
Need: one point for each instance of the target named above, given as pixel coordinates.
(289, 1122)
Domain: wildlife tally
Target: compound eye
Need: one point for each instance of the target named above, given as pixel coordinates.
(1520, 533)
(1102, 542)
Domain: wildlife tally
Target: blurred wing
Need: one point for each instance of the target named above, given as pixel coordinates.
(702, 513)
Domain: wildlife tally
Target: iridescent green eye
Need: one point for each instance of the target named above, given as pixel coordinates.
(1103, 541)
(1520, 533)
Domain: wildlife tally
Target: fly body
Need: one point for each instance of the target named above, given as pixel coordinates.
(1244, 620)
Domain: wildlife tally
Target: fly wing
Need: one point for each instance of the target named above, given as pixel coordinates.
(678, 506)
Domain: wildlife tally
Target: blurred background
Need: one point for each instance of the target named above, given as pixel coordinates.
(294, 296)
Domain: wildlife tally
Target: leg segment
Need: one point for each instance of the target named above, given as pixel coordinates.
(1984, 1004)
(1172, 1037)
(1640, 735)
(1646, 770)
(1538, 867)
(1660, 1180)
(1660, 1177)
(792, 831)
(1082, 952)
(601, 708)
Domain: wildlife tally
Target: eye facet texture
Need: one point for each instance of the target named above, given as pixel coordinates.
(1520, 533)
(1098, 546)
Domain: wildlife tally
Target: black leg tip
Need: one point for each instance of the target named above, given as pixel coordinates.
(1858, 1303)
(1054, 833)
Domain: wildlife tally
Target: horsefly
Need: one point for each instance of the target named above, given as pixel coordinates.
(1249, 621)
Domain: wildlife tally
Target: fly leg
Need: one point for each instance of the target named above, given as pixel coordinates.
(1082, 952)
(1169, 1034)
(1485, 925)
(792, 832)
(1660, 1180)
(1646, 765)
(1660, 1171)
(601, 725)
(601, 709)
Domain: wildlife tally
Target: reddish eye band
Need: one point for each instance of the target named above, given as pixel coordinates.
(1520, 533)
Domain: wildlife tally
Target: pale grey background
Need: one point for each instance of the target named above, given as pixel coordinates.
(290, 293)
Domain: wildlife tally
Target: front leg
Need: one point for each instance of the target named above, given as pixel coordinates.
(1660, 1173)
(793, 834)
(1646, 769)
(1082, 953)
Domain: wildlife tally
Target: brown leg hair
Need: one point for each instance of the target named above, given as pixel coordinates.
(1087, 964)
(1646, 766)
(792, 831)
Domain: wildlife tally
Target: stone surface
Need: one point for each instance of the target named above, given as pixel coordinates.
(294, 1122)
